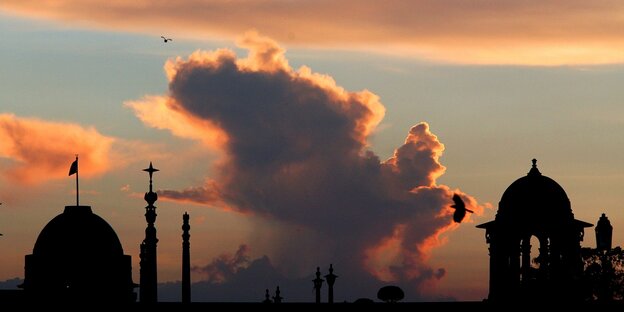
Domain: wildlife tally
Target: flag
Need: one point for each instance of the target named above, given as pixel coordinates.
(74, 167)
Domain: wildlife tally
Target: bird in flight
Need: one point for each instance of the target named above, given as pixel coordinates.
(460, 209)
(166, 39)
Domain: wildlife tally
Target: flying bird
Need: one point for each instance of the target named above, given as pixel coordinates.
(460, 209)
(166, 39)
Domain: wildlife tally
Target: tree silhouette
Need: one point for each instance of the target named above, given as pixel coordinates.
(603, 274)
(390, 294)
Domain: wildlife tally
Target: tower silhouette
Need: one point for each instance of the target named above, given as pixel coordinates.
(267, 297)
(277, 298)
(604, 234)
(535, 206)
(186, 259)
(148, 271)
(318, 283)
(331, 279)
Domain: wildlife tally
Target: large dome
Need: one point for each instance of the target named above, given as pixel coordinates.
(533, 198)
(78, 231)
(78, 257)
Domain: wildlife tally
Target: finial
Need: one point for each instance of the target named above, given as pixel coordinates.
(277, 298)
(318, 270)
(150, 197)
(331, 268)
(534, 170)
(151, 170)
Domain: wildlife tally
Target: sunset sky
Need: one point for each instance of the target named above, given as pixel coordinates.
(302, 133)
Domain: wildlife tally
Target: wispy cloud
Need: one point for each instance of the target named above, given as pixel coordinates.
(481, 31)
(296, 151)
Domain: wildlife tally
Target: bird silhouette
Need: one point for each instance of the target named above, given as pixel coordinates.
(166, 39)
(460, 209)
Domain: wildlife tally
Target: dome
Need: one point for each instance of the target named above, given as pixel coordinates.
(78, 230)
(535, 197)
(78, 257)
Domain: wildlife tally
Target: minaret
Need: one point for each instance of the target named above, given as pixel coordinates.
(331, 279)
(186, 260)
(604, 234)
(277, 298)
(267, 297)
(318, 283)
(149, 279)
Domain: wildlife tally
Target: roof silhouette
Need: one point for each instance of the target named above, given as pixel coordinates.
(77, 231)
(535, 197)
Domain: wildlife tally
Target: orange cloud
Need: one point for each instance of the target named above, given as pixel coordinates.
(485, 32)
(42, 150)
(404, 253)
(163, 113)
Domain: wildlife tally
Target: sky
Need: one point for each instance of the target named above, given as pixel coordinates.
(302, 133)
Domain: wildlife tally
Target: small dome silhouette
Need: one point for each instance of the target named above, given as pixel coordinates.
(364, 301)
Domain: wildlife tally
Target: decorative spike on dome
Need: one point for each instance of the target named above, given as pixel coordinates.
(534, 170)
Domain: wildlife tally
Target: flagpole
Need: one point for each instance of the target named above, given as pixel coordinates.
(77, 189)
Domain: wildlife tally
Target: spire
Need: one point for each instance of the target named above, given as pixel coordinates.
(149, 170)
(277, 298)
(331, 279)
(186, 260)
(148, 270)
(267, 297)
(534, 170)
(318, 283)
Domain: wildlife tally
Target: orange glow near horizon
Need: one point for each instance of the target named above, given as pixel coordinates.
(378, 258)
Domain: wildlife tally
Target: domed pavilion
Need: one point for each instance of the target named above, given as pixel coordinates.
(534, 206)
(78, 257)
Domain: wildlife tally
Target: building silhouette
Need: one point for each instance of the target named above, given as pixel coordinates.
(535, 206)
(78, 258)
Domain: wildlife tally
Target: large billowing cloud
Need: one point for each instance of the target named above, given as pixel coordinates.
(479, 31)
(39, 150)
(294, 150)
